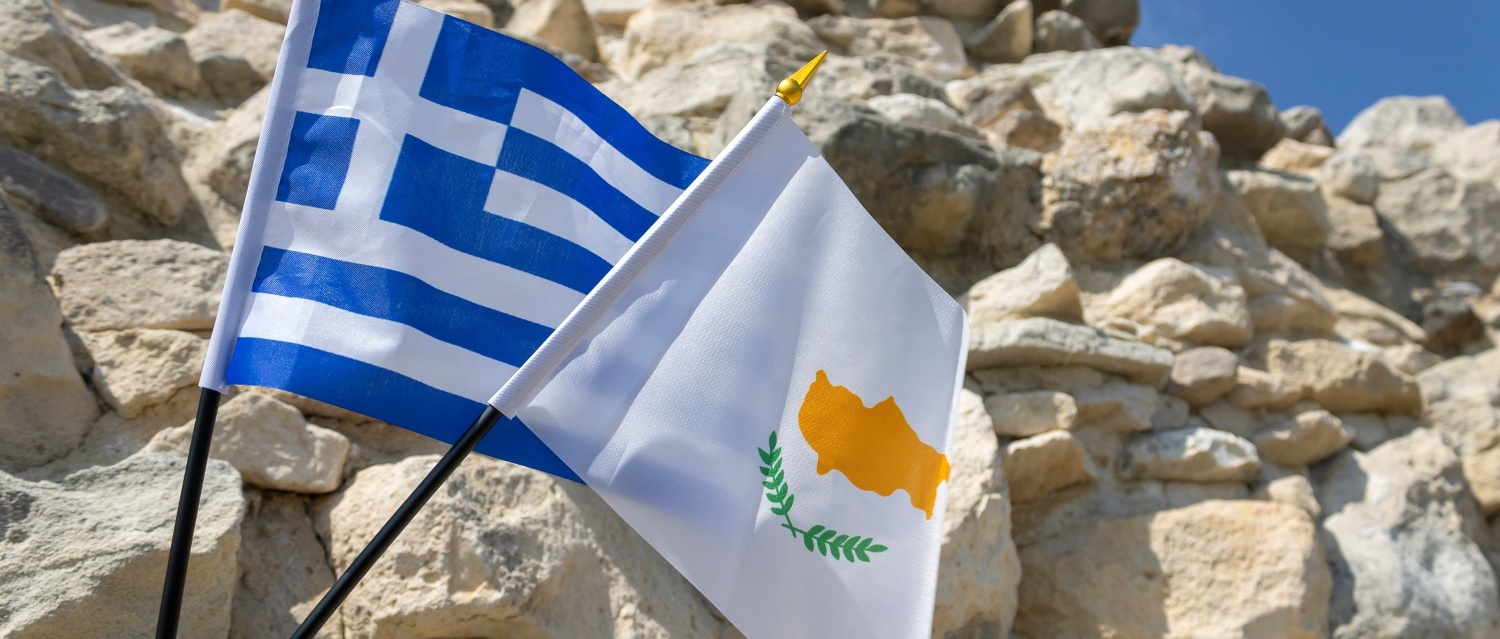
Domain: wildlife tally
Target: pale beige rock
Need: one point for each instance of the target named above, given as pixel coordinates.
(978, 569)
(1041, 285)
(274, 10)
(1352, 175)
(1174, 574)
(918, 111)
(1462, 401)
(236, 53)
(466, 10)
(271, 445)
(1024, 129)
(614, 14)
(928, 43)
(45, 409)
(564, 24)
(1117, 406)
(1255, 388)
(663, 34)
(1290, 489)
(1312, 436)
(158, 58)
(1404, 525)
(84, 556)
(1410, 358)
(1202, 375)
(283, 571)
(1111, 21)
(1482, 469)
(505, 552)
(1062, 31)
(1044, 464)
(1136, 186)
(1343, 379)
(1306, 124)
(1449, 225)
(1237, 111)
(1354, 233)
(1088, 88)
(1006, 38)
(34, 30)
(1031, 413)
(1471, 154)
(1361, 318)
(1409, 122)
(1192, 454)
(1292, 156)
(50, 195)
(951, 9)
(1183, 302)
(136, 368)
(1041, 341)
(1290, 209)
(139, 284)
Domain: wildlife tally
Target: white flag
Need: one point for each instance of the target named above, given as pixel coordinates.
(763, 388)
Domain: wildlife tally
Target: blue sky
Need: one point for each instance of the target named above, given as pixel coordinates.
(1343, 55)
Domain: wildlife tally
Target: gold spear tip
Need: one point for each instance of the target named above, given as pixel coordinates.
(790, 89)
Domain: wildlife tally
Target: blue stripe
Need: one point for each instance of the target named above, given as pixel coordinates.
(442, 196)
(542, 162)
(400, 298)
(351, 35)
(386, 396)
(482, 72)
(317, 160)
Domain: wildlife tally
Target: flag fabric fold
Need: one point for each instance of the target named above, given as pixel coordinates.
(429, 200)
(764, 389)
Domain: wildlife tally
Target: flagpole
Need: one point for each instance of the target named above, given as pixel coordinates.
(187, 515)
(398, 521)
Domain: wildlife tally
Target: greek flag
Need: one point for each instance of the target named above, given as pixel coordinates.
(429, 200)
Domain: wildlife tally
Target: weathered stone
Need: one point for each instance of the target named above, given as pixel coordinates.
(1136, 187)
(927, 113)
(1179, 301)
(1111, 21)
(158, 58)
(139, 284)
(236, 53)
(1047, 342)
(1118, 407)
(1031, 413)
(564, 24)
(1091, 87)
(1237, 111)
(1412, 123)
(1343, 379)
(1364, 320)
(506, 551)
(1312, 436)
(1350, 175)
(1471, 153)
(1288, 208)
(1354, 233)
(270, 444)
(45, 409)
(84, 556)
(274, 10)
(136, 368)
(1192, 454)
(466, 10)
(1462, 401)
(1233, 419)
(975, 10)
(614, 14)
(864, 78)
(1290, 488)
(1174, 574)
(1042, 285)
(978, 569)
(226, 153)
(663, 34)
(929, 44)
(283, 571)
(1041, 465)
(1447, 224)
(1296, 157)
(1284, 296)
(1410, 358)
(1024, 130)
(1305, 124)
(1399, 527)
(1255, 388)
(1062, 31)
(56, 198)
(1482, 470)
(33, 30)
(1202, 375)
(1005, 39)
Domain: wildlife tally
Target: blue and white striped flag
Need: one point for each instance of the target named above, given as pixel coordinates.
(429, 201)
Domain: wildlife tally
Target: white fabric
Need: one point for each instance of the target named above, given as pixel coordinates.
(706, 337)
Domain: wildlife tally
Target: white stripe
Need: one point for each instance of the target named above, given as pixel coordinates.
(550, 121)
(395, 347)
(522, 200)
(392, 246)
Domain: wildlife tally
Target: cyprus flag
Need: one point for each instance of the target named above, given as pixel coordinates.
(764, 388)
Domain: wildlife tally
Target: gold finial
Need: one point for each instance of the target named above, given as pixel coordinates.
(790, 89)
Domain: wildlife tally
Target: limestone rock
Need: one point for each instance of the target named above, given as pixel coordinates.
(1296, 157)
(1062, 31)
(1289, 209)
(139, 284)
(1409, 122)
(1306, 124)
(1042, 285)
(1031, 413)
(1292, 489)
(283, 569)
(930, 44)
(1399, 526)
(978, 569)
(136, 368)
(1005, 39)
(1041, 465)
(1192, 454)
(1010, 116)
(1447, 224)
(1311, 437)
(158, 58)
(466, 10)
(864, 78)
(1471, 153)
(1136, 187)
(1256, 388)
(270, 444)
(1172, 574)
(1360, 318)
(1351, 175)
(236, 53)
(112, 137)
(1046, 342)
(226, 153)
(974, 10)
(564, 24)
(33, 30)
(1202, 375)
(1283, 296)
(273, 10)
(1111, 21)
(1179, 301)
(84, 557)
(1090, 87)
(1343, 379)
(1117, 406)
(54, 197)
(614, 14)
(927, 113)
(1237, 111)
(505, 551)
(1462, 400)
(45, 409)
(664, 34)
(1354, 233)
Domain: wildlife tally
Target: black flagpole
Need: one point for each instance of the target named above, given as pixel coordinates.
(398, 521)
(187, 515)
